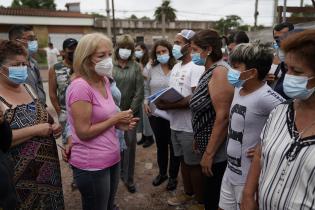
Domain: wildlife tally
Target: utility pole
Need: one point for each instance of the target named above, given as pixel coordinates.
(256, 13)
(285, 11)
(108, 19)
(114, 24)
(302, 3)
(275, 12)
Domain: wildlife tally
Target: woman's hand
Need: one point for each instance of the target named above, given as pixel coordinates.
(248, 202)
(56, 130)
(43, 129)
(251, 152)
(66, 152)
(147, 109)
(128, 126)
(206, 164)
(123, 116)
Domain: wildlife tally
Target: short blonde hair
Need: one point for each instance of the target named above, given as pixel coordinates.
(124, 41)
(86, 47)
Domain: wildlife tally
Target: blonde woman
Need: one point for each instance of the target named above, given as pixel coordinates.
(93, 116)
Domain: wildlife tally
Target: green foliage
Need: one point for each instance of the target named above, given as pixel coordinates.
(133, 17)
(95, 14)
(37, 4)
(145, 18)
(229, 23)
(170, 12)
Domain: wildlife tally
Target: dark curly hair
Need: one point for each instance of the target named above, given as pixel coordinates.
(164, 43)
(9, 49)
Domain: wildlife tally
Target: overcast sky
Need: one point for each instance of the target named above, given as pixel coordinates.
(186, 9)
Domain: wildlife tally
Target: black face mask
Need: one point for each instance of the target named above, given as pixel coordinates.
(70, 56)
(6, 136)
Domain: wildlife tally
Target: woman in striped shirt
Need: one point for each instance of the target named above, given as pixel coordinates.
(285, 162)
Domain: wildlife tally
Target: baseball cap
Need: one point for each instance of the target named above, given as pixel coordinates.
(69, 43)
(187, 33)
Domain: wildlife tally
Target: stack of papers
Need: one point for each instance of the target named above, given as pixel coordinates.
(168, 94)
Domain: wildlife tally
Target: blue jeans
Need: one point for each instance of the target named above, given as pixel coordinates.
(97, 188)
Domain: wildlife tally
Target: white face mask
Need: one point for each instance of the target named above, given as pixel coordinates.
(124, 53)
(104, 67)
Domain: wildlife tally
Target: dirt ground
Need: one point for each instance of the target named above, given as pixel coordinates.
(147, 197)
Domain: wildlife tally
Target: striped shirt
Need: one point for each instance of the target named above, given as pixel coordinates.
(285, 183)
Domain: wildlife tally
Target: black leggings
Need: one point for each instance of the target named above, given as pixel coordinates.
(212, 186)
(162, 132)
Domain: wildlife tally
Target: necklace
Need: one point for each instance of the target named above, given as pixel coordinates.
(297, 144)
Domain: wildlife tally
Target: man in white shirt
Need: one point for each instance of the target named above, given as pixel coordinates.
(52, 55)
(184, 78)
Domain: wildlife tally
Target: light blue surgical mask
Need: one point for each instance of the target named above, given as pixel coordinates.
(32, 46)
(233, 77)
(124, 53)
(296, 87)
(163, 59)
(177, 51)
(139, 54)
(17, 74)
(197, 59)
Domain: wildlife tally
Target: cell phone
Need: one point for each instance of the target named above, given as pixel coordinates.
(61, 147)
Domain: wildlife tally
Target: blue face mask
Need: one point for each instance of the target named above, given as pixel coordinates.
(296, 87)
(233, 77)
(177, 51)
(17, 74)
(197, 59)
(139, 54)
(163, 59)
(32, 46)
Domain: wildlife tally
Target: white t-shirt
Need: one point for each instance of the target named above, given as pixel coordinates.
(183, 78)
(52, 56)
(248, 116)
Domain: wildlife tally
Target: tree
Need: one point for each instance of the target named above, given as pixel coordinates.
(37, 4)
(145, 18)
(133, 17)
(170, 12)
(229, 23)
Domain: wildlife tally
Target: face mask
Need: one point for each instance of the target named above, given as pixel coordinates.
(296, 87)
(32, 46)
(17, 74)
(177, 51)
(139, 54)
(70, 56)
(281, 55)
(104, 67)
(234, 78)
(163, 59)
(275, 46)
(124, 53)
(197, 59)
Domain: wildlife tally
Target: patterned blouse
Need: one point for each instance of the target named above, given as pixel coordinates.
(203, 113)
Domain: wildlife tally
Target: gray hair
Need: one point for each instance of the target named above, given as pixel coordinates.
(254, 55)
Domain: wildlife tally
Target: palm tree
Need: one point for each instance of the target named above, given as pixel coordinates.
(170, 12)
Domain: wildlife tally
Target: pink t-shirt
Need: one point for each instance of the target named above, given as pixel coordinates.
(101, 151)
